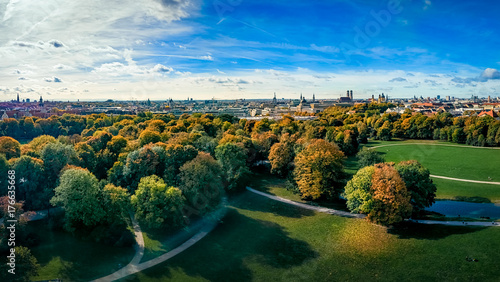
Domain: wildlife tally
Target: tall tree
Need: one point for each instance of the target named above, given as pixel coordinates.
(418, 182)
(81, 197)
(55, 157)
(116, 202)
(358, 191)
(31, 183)
(201, 182)
(281, 158)
(319, 170)
(391, 199)
(233, 158)
(157, 205)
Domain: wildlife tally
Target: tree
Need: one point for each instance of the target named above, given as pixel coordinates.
(176, 156)
(232, 159)
(149, 136)
(157, 205)
(418, 182)
(79, 194)
(4, 168)
(391, 199)
(31, 182)
(26, 266)
(358, 192)
(55, 157)
(368, 157)
(117, 202)
(146, 161)
(281, 158)
(10, 147)
(201, 182)
(319, 170)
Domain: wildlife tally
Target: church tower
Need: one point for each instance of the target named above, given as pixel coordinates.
(274, 99)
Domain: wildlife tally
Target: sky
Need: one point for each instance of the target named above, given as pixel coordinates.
(233, 49)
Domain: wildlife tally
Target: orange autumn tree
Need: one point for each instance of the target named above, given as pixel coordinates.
(319, 170)
(391, 199)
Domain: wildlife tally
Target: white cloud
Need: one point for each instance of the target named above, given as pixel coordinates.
(490, 73)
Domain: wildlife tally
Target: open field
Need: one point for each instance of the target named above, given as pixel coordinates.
(264, 240)
(474, 163)
(444, 159)
(63, 256)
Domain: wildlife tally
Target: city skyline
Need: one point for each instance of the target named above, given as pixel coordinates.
(247, 49)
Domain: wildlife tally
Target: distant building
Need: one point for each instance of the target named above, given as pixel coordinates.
(490, 113)
(5, 116)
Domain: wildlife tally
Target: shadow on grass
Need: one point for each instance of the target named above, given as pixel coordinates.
(253, 202)
(66, 257)
(162, 241)
(225, 253)
(410, 230)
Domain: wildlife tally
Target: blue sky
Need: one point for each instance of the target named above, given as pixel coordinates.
(248, 49)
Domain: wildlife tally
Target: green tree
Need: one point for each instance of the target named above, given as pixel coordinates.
(117, 202)
(146, 161)
(176, 156)
(26, 266)
(232, 159)
(391, 199)
(55, 157)
(31, 186)
(358, 191)
(201, 182)
(4, 168)
(10, 147)
(368, 157)
(418, 182)
(157, 205)
(319, 170)
(81, 197)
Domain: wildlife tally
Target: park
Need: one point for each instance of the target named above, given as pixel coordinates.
(206, 198)
(281, 242)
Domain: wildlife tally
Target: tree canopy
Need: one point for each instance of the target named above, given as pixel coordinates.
(157, 205)
(319, 170)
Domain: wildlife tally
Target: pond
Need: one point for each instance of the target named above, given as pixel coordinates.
(466, 209)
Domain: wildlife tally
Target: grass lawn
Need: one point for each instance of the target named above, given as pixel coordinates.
(158, 242)
(264, 240)
(467, 163)
(472, 163)
(453, 190)
(63, 256)
(274, 185)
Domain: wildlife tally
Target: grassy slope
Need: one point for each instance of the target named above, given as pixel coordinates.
(264, 240)
(63, 256)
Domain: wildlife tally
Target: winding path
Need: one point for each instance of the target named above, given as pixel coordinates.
(351, 215)
(445, 177)
(135, 266)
